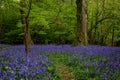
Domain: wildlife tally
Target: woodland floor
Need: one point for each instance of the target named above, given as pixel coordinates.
(64, 71)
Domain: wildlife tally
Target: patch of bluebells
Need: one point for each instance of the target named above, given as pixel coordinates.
(14, 65)
(89, 50)
(100, 61)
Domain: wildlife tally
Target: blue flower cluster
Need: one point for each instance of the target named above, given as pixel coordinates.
(102, 61)
(106, 68)
(89, 50)
(14, 65)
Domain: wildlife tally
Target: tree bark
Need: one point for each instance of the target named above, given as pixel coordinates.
(81, 29)
(25, 22)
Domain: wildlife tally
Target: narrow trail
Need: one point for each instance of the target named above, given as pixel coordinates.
(64, 72)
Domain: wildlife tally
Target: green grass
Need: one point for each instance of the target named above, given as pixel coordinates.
(79, 68)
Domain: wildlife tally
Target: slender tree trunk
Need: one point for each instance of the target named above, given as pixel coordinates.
(25, 23)
(101, 39)
(81, 29)
(96, 26)
(25, 26)
(113, 36)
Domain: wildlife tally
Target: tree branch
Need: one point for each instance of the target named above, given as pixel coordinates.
(30, 4)
(99, 21)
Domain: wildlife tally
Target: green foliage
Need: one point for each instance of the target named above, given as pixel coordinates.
(103, 16)
(8, 21)
(78, 65)
(48, 23)
(53, 21)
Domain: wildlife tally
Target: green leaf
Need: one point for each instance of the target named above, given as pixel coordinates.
(42, 32)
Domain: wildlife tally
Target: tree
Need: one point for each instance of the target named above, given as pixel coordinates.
(48, 22)
(25, 23)
(81, 29)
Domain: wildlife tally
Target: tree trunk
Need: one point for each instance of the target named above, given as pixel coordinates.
(25, 26)
(113, 31)
(81, 29)
(25, 22)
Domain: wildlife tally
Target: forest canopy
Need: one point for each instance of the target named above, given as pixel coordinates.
(54, 22)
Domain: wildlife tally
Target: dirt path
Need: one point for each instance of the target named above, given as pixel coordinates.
(64, 72)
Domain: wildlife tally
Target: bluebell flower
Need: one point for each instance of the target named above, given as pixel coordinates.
(36, 63)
